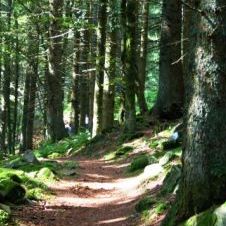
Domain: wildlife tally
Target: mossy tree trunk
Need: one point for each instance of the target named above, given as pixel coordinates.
(170, 98)
(129, 21)
(111, 63)
(30, 90)
(203, 182)
(100, 64)
(55, 79)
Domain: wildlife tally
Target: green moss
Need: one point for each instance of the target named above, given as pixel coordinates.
(46, 174)
(123, 151)
(36, 194)
(139, 163)
(53, 165)
(207, 218)
(4, 217)
(109, 156)
(158, 154)
(161, 208)
(55, 155)
(144, 204)
(154, 144)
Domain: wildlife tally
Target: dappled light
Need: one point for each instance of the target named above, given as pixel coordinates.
(112, 113)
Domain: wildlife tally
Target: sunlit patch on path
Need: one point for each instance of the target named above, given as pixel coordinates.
(100, 195)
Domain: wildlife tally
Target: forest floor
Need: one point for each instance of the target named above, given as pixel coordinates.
(101, 193)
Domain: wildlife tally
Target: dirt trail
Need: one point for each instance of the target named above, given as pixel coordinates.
(100, 195)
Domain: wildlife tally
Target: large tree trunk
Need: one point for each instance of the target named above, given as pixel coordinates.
(129, 21)
(55, 76)
(98, 93)
(111, 71)
(30, 91)
(203, 181)
(171, 89)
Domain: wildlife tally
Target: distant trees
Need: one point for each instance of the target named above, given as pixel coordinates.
(71, 62)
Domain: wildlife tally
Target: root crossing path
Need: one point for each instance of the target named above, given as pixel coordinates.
(99, 195)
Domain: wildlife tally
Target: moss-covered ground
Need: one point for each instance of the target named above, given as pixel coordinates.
(22, 181)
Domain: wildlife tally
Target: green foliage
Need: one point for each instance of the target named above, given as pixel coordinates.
(46, 174)
(139, 162)
(4, 217)
(161, 208)
(144, 204)
(62, 148)
(36, 194)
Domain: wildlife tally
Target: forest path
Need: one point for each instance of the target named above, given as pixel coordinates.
(100, 195)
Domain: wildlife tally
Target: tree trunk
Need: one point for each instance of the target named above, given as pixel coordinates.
(76, 82)
(16, 92)
(98, 93)
(142, 59)
(129, 21)
(171, 88)
(6, 136)
(30, 91)
(110, 73)
(203, 181)
(55, 76)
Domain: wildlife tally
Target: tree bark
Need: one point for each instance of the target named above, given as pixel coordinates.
(111, 63)
(142, 57)
(203, 182)
(129, 21)
(55, 76)
(99, 80)
(30, 91)
(170, 98)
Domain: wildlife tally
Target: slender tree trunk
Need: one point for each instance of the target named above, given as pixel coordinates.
(16, 92)
(92, 56)
(170, 98)
(98, 93)
(203, 182)
(142, 58)
(6, 114)
(55, 79)
(129, 21)
(30, 91)
(75, 87)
